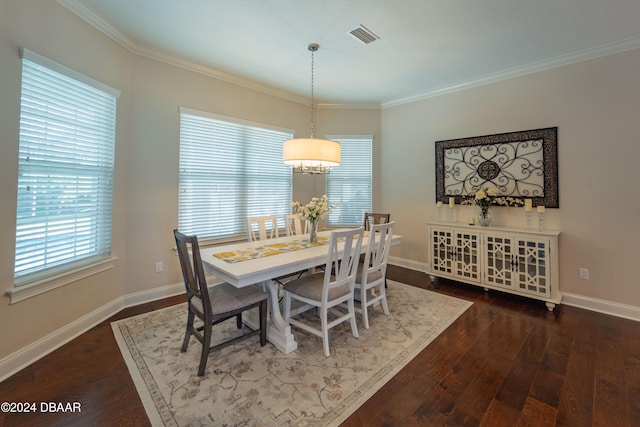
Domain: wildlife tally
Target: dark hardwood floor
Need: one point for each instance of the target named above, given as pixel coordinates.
(506, 361)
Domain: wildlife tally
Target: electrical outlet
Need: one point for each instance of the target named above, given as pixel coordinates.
(583, 273)
(159, 266)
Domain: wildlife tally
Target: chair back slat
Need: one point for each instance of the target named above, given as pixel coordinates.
(192, 270)
(294, 225)
(371, 218)
(262, 228)
(377, 253)
(342, 268)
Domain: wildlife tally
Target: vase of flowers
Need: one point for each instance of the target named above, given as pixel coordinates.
(484, 217)
(485, 198)
(314, 211)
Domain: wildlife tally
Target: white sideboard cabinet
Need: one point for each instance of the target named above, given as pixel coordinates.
(512, 260)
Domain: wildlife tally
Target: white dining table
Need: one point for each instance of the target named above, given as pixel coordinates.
(261, 271)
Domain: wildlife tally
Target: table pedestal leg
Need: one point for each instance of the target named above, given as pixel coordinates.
(278, 331)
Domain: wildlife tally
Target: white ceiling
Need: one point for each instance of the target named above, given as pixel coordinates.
(426, 47)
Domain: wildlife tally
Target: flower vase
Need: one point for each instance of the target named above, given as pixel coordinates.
(484, 218)
(313, 231)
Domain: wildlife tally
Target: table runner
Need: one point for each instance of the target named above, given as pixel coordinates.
(268, 250)
(271, 249)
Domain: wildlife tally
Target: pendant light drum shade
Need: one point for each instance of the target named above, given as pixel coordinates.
(307, 154)
(311, 155)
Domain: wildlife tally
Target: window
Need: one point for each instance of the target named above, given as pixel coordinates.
(349, 185)
(229, 170)
(65, 170)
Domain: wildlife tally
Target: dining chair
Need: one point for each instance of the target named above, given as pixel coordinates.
(294, 226)
(371, 278)
(262, 227)
(329, 289)
(214, 304)
(375, 218)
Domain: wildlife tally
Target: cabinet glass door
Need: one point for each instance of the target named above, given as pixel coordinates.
(532, 266)
(468, 255)
(500, 261)
(442, 251)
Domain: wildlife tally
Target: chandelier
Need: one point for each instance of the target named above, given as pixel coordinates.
(311, 155)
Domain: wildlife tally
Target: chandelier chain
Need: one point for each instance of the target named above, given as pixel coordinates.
(311, 155)
(312, 92)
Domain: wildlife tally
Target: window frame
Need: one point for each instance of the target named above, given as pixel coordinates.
(253, 138)
(32, 281)
(338, 174)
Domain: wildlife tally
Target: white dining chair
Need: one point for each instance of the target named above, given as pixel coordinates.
(262, 228)
(370, 286)
(294, 226)
(329, 289)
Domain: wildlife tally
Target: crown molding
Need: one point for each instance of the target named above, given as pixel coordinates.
(559, 61)
(348, 106)
(86, 14)
(134, 47)
(170, 59)
(77, 7)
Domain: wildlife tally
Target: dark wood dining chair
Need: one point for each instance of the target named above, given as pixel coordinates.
(214, 304)
(375, 218)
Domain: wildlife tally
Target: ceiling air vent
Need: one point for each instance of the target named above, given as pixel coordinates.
(363, 34)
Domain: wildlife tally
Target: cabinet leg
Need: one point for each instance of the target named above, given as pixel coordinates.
(433, 278)
(486, 289)
(550, 305)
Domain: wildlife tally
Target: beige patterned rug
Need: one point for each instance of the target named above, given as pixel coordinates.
(248, 385)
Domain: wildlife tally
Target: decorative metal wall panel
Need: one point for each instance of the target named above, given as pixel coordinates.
(521, 164)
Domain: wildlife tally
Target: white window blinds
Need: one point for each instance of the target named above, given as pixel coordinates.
(229, 170)
(348, 186)
(66, 159)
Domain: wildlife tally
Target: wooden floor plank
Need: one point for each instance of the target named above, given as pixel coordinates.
(506, 361)
(537, 414)
(499, 415)
(576, 397)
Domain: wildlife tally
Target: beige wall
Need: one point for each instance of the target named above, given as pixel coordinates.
(146, 190)
(46, 28)
(596, 107)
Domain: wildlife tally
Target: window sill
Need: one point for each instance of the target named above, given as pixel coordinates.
(44, 285)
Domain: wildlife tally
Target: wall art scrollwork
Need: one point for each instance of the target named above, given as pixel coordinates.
(521, 164)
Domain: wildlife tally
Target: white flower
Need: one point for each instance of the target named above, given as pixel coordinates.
(493, 192)
(487, 197)
(315, 210)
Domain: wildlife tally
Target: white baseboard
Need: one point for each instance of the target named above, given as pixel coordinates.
(602, 306)
(411, 265)
(153, 294)
(580, 301)
(40, 348)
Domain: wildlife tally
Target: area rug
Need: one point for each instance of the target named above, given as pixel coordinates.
(248, 385)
